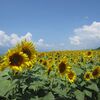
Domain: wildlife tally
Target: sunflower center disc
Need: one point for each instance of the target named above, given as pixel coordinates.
(16, 60)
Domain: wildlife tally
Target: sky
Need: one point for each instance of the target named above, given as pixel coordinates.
(50, 24)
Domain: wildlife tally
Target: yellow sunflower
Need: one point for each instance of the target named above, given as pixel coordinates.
(49, 69)
(88, 54)
(2, 64)
(28, 48)
(71, 76)
(88, 76)
(15, 59)
(45, 63)
(96, 72)
(63, 67)
(40, 61)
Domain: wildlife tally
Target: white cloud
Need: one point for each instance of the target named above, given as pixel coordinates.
(28, 36)
(14, 39)
(7, 41)
(10, 40)
(40, 42)
(87, 36)
(75, 40)
(42, 45)
(4, 38)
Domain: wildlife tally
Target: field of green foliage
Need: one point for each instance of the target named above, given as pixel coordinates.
(26, 74)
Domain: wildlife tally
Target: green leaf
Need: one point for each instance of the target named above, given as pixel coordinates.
(33, 87)
(24, 87)
(60, 92)
(73, 85)
(94, 87)
(79, 95)
(35, 98)
(49, 96)
(77, 70)
(82, 84)
(5, 86)
(4, 73)
(98, 95)
(36, 85)
(88, 93)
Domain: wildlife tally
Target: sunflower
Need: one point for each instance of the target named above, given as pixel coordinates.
(2, 64)
(15, 59)
(28, 48)
(45, 63)
(96, 72)
(63, 67)
(71, 76)
(88, 54)
(88, 76)
(49, 69)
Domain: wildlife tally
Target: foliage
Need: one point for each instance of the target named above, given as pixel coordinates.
(57, 75)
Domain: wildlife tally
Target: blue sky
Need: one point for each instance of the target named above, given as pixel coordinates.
(51, 23)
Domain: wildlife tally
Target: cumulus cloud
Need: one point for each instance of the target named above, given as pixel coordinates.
(4, 38)
(75, 40)
(14, 38)
(10, 40)
(7, 41)
(87, 36)
(42, 45)
(28, 36)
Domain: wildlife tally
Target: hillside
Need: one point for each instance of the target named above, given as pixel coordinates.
(98, 48)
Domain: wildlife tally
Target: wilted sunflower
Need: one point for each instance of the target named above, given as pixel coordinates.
(71, 76)
(28, 48)
(88, 76)
(96, 72)
(15, 59)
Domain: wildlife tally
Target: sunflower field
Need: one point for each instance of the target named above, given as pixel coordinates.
(26, 74)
